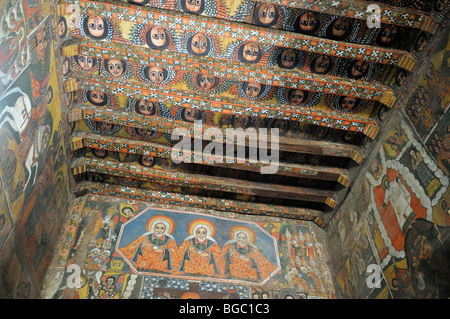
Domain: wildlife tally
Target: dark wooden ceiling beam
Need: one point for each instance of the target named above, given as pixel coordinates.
(285, 144)
(79, 140)
(215, 183)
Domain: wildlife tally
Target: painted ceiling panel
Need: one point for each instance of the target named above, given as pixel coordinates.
(137, 73)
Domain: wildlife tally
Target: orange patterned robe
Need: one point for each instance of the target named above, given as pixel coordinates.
(144, 256)
(201, 259)
(244, 262)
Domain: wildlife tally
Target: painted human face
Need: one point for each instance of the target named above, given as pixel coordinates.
(250, 52)
(158, 36)
(104, 126)
(86, 62)
(241, 239)
(322, 64)
(348, 103)
(421, 43)
(267, 13)
(307, 21)
(201, 233)
(97, 97)
(401, 76)
(144, 132)
(96, 26)
(388, 34)
(340, 27)
(127, 212)
(147, 160)
(49, 97)
(160, 228)
(193, 5)
(199, 44)
(156, 74)
(109, 281)
(191, 114)
(65, 66)
(359, 68)
(146, 107)
(288, 58)
(253, 89)
(61, 28)
(297, 97)
(115, 67)
(206, 82)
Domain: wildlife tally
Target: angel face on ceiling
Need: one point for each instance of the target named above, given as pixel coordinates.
(297, 97)
(358, 69)
(307, 23)
(157, 38)
(190, 114)
(193, 6)
(96, 27)
(146, 107)
(348, 102)
(266, 14)
(96, 98)
(249, 53)
(147, 160)
(155, 74)
(253, 90)
(388, 35)
(116, 68)
(84, 63)
(339, 29)
(321, 64)
(288, 59)
(198, 44)
(62, 28)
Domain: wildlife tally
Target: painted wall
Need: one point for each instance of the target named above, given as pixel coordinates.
(33, 173)
(115, 243)
(401, 223)
(401, 219)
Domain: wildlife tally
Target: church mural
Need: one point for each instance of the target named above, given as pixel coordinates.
(225, 257)
(268, 93)
(15, 53)
(16, 281)
(204, 251)
(6, 220)
(33, 166)
(405, 221)
(96, 285)
(430, 97)
(260, 64)
(288, 18)
(438, 143)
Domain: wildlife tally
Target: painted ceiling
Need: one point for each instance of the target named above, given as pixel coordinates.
(135, 72)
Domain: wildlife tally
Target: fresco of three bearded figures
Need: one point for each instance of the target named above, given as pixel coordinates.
(204, 246)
